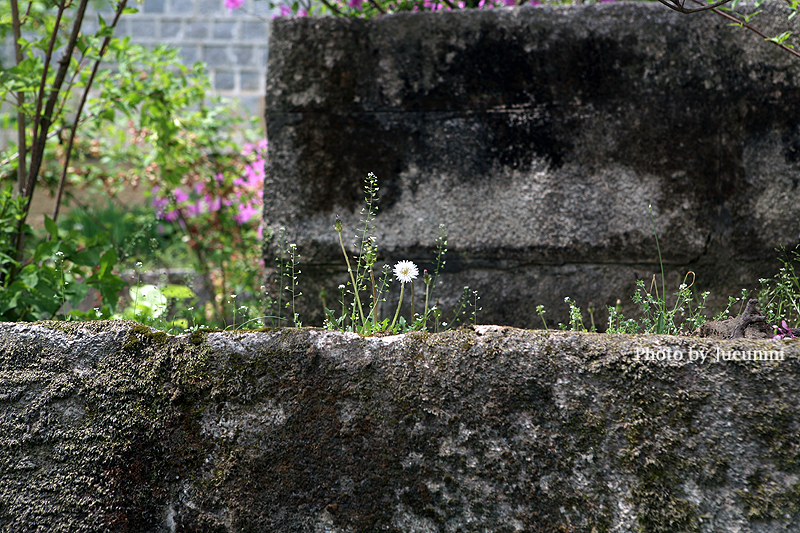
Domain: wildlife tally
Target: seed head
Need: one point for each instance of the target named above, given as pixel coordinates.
(405, 271)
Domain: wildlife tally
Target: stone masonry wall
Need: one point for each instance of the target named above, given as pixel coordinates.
(539, 136)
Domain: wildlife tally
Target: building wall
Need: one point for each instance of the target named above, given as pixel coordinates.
(233, 45)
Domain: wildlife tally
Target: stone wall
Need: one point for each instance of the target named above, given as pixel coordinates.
(539, 136)
(111, 426)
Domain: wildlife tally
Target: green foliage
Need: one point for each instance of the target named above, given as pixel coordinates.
(59, 275)
(147, 120)
(779, 297)
(540, 311)
(724, 314)
(660, 319)
(617, 323)
(575, 317)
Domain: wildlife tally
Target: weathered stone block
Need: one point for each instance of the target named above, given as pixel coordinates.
(539, 136)
(111, 426)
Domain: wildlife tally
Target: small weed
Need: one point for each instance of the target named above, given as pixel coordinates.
(779, 297)
(575, 318)
(540, 310)
(617, 323)
(365, 318)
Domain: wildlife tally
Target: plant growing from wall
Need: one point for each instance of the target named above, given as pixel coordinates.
(366, 293)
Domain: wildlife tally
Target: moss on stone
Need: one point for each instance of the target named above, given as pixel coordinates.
(279, 429)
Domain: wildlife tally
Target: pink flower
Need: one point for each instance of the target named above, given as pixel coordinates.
(246, 212)
(180, 196)
(783, 331)
(356, 3)
(213, 204)
(233, 4)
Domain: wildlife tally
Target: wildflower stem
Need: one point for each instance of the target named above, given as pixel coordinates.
(425, 315)
(660, 262)
(412, 301)
(397, 313)
(350, 271)
(374, 297)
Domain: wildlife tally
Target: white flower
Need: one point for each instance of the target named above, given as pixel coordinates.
(405, 271)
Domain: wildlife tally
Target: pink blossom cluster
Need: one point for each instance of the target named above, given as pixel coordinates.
(233, 4)
(242, 195)
(423, 5)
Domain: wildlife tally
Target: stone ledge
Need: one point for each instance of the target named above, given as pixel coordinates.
(114, 426)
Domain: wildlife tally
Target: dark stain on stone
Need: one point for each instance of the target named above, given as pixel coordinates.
(358, 145)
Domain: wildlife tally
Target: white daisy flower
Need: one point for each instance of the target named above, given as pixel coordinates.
(405, 271)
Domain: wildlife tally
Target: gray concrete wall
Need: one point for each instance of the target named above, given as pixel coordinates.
(539, 136)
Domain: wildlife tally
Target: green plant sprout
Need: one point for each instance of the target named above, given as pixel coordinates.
(660, 303)
(292, 275)
(617, 323)
(427, 279)
(575, 318)
(540, 310)
(779, 297)
(338, 227)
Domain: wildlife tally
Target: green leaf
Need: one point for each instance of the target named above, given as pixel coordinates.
(107, 31)
(109, 287)
(45, 250)
(51, 227)
(107, 262)
(87, 257)
(151, 297)
(779, 39)
(75, 293)
(178, 292)
(29, 276)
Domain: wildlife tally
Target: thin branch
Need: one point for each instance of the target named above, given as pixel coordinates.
(42, 84)
(71, 142)
(331, 7)
(749, 27)
(59, 111)
(37, 153)
(22, 140)
(377, 6)
(678, 6)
